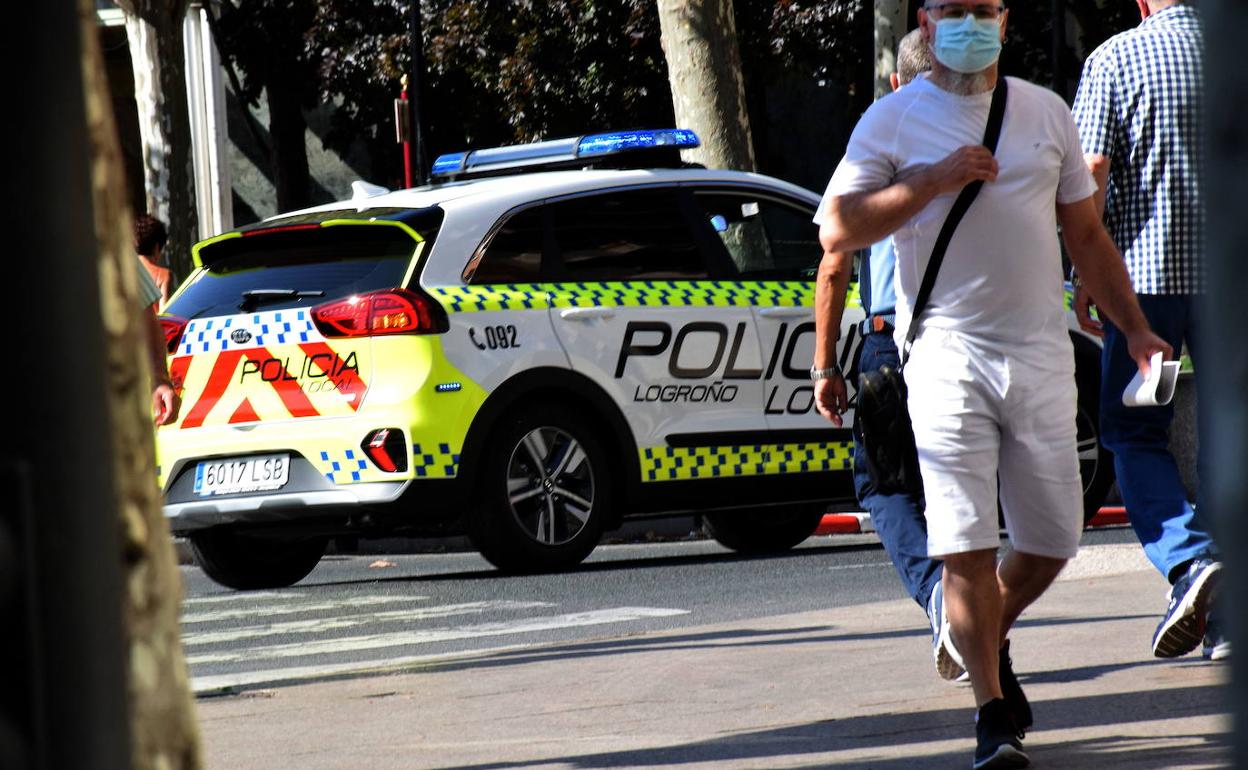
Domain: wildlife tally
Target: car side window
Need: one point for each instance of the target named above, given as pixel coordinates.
(766, 239)
(514, 253)
(626, 236)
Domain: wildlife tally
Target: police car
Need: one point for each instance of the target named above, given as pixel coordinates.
(547, 339)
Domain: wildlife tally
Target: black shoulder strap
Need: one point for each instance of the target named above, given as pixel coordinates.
(996, 114)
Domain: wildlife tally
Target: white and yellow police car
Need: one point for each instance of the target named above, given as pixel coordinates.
(547, 339)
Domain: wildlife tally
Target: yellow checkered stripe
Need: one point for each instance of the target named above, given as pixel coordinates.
(435, 461)
(665, 463)
(538, 296)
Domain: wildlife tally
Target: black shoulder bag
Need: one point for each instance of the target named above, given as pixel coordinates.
(882, 421)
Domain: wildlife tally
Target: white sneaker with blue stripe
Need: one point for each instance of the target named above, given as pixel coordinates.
(948, 660)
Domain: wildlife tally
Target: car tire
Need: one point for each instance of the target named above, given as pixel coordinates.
(251, 562)
(544, 491)
(1096, 463)
(766, 530)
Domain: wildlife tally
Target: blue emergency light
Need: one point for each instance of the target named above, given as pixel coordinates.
(561, 153)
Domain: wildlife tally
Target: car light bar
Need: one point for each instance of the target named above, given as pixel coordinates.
(570, 152)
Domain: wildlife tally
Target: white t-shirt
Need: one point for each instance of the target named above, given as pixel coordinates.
(1001, 279)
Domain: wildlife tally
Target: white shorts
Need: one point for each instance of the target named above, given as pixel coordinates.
(981, 412)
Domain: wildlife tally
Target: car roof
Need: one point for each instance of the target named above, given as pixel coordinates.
(523, 187)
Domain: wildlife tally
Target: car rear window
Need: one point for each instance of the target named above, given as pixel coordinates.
(322, 264)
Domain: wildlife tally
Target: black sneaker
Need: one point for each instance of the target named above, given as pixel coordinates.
(1183, 627)
(1012, 691)
(998, 743)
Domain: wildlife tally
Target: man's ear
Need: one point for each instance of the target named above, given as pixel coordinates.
(1005, 20)
(894, 80)
(926, 28)
(1144, 9)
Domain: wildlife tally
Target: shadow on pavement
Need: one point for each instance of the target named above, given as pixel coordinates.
(860, 734)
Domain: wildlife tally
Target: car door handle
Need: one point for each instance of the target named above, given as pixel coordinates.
(786, 312)
(586, 313)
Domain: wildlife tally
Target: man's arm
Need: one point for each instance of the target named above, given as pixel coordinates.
(1099, 166)
(831, 285)
(165, 401)
(857, 220)
(1102, 271)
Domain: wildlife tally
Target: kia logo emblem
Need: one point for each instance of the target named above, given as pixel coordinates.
(240, 336)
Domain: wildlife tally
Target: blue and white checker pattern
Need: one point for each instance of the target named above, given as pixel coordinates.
(1140, 104)
(345, 466)
(277, 327)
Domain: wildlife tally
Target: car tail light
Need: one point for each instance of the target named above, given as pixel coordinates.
(392, 311)
(387, 449)
(173, 327)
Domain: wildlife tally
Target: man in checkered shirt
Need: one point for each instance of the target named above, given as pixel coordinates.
(1139, 116)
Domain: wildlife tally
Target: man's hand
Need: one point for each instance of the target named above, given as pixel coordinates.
(963, 166)
(165, 404)
(1141, 346)
(1083, 311)
(832, 398)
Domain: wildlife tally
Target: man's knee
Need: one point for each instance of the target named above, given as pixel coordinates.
(1019, 567)
(970, 563)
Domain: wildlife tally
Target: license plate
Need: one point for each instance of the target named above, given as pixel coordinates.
(230, 475)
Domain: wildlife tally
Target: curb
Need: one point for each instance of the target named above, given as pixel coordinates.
(859, 523)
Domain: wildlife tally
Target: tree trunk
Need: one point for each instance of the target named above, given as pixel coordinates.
(154, 28)
(288, 132)
(164, 735)
(699, 40)
(890, 27)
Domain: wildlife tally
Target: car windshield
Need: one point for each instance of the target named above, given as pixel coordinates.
(301, 267)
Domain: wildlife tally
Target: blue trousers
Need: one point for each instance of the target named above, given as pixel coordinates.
(897, 518)
(1168, 526)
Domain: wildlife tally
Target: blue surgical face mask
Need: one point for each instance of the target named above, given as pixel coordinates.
(968, 44)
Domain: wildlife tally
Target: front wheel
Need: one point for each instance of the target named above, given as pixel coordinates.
(766, 530)
(545, 491)
(251, 562)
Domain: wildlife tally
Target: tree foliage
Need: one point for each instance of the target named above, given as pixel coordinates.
(505, 71)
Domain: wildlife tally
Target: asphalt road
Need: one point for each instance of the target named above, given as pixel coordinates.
(359, 614)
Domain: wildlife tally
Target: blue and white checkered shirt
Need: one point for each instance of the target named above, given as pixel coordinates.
(1139, 104)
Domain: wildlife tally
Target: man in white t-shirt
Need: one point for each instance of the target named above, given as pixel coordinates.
(991, 373)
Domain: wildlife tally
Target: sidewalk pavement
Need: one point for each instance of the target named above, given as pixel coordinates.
(849, 687)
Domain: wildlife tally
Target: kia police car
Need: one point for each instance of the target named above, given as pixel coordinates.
(547, 339)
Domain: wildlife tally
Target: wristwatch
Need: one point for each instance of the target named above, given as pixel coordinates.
(823, 374)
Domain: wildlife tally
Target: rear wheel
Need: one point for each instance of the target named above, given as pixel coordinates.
(250, 562)
(766, 530)
(545, 491)
(1096, 463)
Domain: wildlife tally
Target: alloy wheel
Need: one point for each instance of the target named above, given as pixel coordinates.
(550, 485)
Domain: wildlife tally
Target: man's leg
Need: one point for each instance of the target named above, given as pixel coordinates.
(1148, 476)
(974, 603)
(1022, 577)
(897, 518)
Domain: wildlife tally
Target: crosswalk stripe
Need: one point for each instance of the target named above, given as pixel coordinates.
(408, 638)
(228, 598)
(294, 607)
(320, 625)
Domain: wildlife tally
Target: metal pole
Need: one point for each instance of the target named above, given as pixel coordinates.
(415, 94)
(1226, 348)
(56, 463)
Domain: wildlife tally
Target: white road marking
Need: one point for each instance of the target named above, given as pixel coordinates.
(226, 598)
(319, 625)
(408, 638)
(294, 607)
